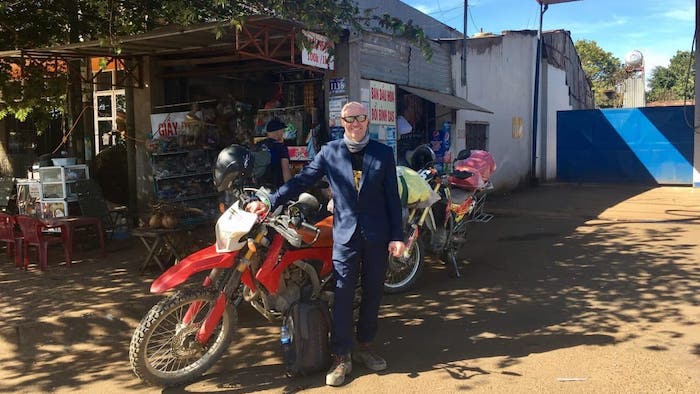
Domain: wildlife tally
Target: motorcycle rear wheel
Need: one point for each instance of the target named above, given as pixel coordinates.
(164, 353)
(403, 272)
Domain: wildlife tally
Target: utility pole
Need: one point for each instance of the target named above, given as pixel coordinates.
(464, 48)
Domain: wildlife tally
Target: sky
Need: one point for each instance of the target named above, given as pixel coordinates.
(656, 28)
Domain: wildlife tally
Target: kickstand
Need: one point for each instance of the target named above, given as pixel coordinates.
(455, 267)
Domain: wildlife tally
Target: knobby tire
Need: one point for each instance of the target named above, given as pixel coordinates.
(160, 365)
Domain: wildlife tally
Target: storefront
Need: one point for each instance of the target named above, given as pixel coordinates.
(176, 96)
(409, 97)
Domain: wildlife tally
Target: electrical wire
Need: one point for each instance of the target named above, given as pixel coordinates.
(696, 129)
(64, 139)
(66, 135)
(471, 16)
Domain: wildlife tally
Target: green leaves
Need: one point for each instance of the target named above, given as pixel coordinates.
(43, 23)
(604, 71)
(675, 82)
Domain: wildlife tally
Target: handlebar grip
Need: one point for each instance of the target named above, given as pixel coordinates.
(309, 227)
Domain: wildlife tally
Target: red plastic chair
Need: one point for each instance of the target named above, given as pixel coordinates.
(32, 232)
(8, 235)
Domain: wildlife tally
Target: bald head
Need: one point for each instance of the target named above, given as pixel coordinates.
(355, 120)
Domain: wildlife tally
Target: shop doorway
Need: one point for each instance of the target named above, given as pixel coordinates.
(109, 104)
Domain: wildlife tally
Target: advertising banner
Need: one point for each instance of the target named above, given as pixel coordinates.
(319, 55)
(382, 102)
(168, 125)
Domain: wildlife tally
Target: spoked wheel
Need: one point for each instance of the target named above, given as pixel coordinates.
(403, 272)
(164, 351)
(456, 235)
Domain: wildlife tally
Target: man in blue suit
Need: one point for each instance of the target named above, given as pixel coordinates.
(366, 228)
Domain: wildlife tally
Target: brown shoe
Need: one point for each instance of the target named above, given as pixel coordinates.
(365, 355)
(342, 365)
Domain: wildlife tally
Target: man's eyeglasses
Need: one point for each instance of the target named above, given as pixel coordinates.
(353, 118)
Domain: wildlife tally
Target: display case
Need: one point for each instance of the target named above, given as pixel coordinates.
(184, 177)
(59, 182)
(28, 196)
(58, 196)
(56, 209)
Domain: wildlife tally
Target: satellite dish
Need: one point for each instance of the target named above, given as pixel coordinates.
(634, 59)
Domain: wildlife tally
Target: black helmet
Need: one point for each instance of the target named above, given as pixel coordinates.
(421, 157)
(233, 162)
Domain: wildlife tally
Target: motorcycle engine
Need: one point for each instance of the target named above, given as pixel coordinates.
(290, 288)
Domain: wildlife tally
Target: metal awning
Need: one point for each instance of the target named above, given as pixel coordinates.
(447, 100)
(172, 39)
(261, 38)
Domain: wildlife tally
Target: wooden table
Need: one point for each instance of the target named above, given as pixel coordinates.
(68, 224)
(159, 243)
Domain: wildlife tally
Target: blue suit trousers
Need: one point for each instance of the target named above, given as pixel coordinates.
(365, 260)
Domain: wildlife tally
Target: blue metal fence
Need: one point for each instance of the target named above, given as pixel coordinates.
(651, 145)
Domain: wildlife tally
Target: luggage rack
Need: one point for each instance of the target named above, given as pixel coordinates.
(482, 217)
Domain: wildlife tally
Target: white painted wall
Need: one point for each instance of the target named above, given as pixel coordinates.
(500, 76)
(556, 99)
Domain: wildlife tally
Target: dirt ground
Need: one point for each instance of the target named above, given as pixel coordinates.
(570, 289)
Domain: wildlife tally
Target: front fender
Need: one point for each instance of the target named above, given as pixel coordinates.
(205, 259)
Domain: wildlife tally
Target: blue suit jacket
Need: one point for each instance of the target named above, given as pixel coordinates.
(376, 209)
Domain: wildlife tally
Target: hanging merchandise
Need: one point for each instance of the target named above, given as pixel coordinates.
(311, 142)
(403, 126)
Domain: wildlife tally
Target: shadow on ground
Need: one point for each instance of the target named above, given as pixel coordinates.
(542, 276)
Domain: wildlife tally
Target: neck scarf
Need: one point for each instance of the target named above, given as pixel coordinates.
(356, 146)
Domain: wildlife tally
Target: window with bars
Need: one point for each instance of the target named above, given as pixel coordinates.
(476, 136)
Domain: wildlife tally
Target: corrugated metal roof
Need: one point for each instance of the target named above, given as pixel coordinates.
(447, 100)
(161, 41)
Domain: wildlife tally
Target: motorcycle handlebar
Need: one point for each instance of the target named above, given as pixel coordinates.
(311, 227)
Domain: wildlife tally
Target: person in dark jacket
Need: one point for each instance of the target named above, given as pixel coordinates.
(279, 171)
(366, 228)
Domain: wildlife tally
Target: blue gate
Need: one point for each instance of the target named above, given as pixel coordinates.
(652, 145)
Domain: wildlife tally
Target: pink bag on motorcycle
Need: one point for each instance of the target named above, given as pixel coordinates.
(481, 163)
(480, 160)
(476, 181)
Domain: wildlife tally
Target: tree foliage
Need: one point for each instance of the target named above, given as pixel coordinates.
(604, 70)
(675, 82)
(43, 23)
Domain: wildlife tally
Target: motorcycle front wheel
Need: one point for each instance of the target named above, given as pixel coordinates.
(403, 272)
(163, 350)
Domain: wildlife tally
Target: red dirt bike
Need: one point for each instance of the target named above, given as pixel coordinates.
(184, 334)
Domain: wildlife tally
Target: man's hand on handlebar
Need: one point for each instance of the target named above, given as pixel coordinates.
(257, 207)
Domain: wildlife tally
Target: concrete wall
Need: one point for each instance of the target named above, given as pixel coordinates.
(142, 124)
(500, 74)
(500, 77)
(555, 98)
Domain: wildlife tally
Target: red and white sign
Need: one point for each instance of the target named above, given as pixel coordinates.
(382, 103)
(168, 125)
(298, 153)
(319, 55)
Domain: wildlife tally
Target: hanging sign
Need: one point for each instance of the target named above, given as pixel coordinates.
(168, 125)
(319, 55)
(337, 86)
(382, 103)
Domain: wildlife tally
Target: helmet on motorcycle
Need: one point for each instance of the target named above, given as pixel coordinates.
(233, 162)
(421, 157)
